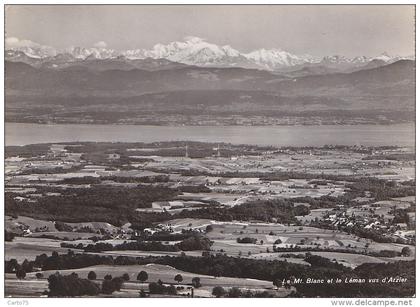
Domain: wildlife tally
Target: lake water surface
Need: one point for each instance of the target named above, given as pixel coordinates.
(367, 135)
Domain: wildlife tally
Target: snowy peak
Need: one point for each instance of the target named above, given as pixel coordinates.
(384, 57)
(29, 48)
(192, 51)
(275, 58)
(361, 59)
(92, 53)
(230, 51)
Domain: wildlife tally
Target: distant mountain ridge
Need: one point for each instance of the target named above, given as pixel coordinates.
(162, 92)
(152, 77)
(192, 51)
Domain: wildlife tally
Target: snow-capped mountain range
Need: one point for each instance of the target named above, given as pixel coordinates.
(193, 51)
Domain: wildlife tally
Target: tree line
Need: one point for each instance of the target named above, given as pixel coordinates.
(220, 265)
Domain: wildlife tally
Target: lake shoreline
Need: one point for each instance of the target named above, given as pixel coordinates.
(278, 136)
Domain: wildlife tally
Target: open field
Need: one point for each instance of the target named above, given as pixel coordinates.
(34, 287)
(28, 248)
(31, 225)
(350, 260)
(224, 235)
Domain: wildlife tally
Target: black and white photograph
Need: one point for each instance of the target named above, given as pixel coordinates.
(209, 151)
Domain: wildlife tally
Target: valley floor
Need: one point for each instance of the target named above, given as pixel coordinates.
(344, 207)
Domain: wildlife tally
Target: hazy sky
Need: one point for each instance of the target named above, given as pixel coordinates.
(317, 30)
